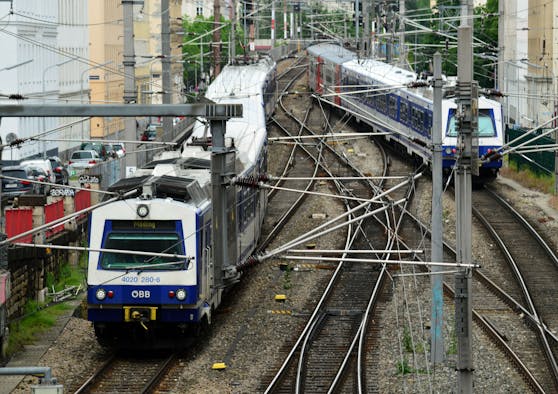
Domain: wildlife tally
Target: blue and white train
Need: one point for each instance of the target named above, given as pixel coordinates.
(134, 298)
(383, 96)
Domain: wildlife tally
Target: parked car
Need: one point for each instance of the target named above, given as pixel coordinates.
(81, 159)
(97, 147)
(60, 171)
(37, 173)
(44, 164)
(111, 152)
(12, 188)
(149, 135)
(119, 149)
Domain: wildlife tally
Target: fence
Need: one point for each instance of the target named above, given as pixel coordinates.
(20, 220)
(541, 163)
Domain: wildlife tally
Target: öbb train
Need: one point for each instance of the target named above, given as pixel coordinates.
(140, 300)
(390, 100)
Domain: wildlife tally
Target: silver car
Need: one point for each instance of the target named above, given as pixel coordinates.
(82, 159)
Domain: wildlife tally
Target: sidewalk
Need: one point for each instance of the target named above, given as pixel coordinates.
(31, 354)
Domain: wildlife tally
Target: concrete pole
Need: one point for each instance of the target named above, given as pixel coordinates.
(292, 26)
(130, 92)
(466, 164)
(357, 15)
(232, 39)
(365, 28)
(285, 28)
(272, 23)
(402, 48)
(216, 44)
(436, 324)
(166, 64)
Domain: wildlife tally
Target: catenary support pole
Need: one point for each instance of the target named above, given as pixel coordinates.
(166, 65)
(130, 92)
(467, 163)
(436, 323)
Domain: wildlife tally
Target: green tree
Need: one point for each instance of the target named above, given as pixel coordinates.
(197, 51)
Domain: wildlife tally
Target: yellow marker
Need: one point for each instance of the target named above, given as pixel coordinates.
(218, 366)
(280, 297)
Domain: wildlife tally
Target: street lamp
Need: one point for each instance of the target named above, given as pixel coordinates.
(43, 96)
(81, 88)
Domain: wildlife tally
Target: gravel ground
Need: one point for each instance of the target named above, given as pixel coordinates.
(251, 330)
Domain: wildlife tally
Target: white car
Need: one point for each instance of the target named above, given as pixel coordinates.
(119, 148)
(44, 164)
(82, 159)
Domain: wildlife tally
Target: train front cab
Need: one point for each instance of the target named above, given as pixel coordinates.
(153, 307)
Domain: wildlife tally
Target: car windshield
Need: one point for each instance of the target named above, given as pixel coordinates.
(22, 174)
(143, 242)
(486, 126)
(82, 155)
(117, 147)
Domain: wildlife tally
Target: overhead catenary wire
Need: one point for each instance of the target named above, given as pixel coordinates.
(104, 250)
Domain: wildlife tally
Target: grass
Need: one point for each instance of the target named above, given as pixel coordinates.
(26, 330)
(530, 180)
(38, 318)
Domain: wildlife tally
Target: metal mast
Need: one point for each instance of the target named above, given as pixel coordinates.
(467, 164)
(166, 63)
(129, 62)
(437, 339)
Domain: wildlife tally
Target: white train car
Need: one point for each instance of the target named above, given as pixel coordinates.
(387, 98)
(135, 298)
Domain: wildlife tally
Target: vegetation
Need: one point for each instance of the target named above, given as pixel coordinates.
(40, 317)
(198, 30)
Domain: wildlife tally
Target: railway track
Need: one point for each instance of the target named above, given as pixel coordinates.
(125, 374)
(535, 268)
(333, 348)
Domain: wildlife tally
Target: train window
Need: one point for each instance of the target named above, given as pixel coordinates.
(153, 242)
(404, 112)
(486, 127)
(393, 107)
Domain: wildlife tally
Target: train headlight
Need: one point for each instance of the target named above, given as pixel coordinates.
(180, 294)
(142, 210)
(448, 151)
(100, 294)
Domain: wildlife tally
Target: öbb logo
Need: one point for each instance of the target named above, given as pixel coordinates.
(141, 294)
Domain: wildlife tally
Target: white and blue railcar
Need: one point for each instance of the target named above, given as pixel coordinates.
(134, 298)
(389, 99)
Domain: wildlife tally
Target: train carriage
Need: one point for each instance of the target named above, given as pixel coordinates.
(397, 101)
(142, 299)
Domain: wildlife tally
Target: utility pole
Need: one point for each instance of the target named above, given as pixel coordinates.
(166, 63)
(357, 17)
(467, 164)
(436, 320)
(285, 30)
(216, 44)
(232, 36)
(130, 92)
(365, 28)
(402, 48)
(272, 24)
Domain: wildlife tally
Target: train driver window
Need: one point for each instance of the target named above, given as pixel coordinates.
(486, 126)
(154, 242)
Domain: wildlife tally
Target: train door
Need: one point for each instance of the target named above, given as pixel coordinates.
(207, 277)
(337, 98)
(319, 81)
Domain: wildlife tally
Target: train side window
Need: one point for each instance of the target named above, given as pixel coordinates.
(404, 112)
(393, 107)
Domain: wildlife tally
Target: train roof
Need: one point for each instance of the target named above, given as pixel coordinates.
(384, 73)
(241, 84)
(240, 80)
(332, 52)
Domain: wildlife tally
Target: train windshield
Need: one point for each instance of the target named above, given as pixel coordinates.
(486, 124)
(154, 242)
